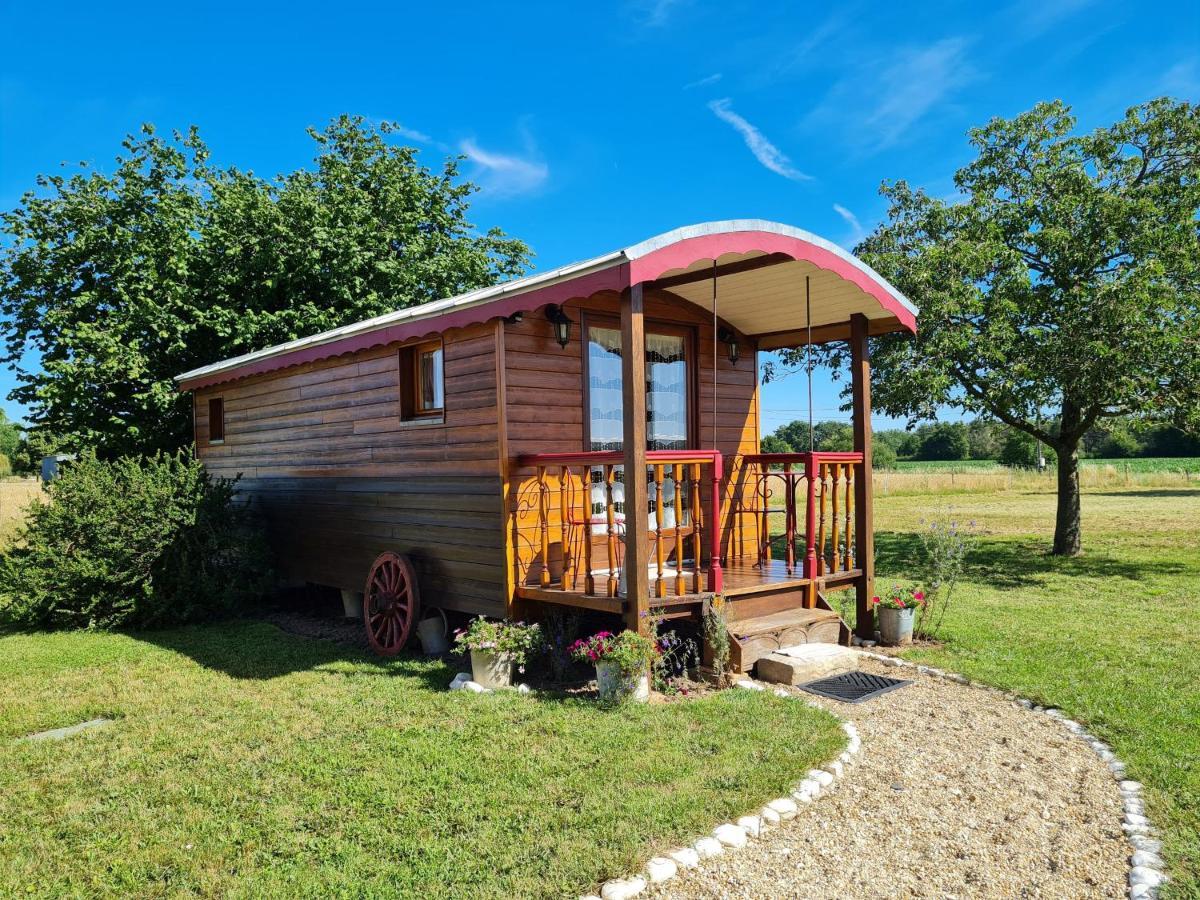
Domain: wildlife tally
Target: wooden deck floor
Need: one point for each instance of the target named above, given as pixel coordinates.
(740, 578)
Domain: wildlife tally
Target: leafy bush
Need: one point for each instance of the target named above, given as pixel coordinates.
(134, 543)
(1020, 451)
(1119, 445)
(883, 457)
(944, 440)
(946, 543)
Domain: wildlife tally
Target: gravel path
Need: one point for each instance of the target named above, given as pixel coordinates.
(956, 793)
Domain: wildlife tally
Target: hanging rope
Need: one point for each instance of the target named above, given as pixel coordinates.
(808, 355)
(715, 343)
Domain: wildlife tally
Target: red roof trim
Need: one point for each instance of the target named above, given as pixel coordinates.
(615, 278)
(684, 253)
(648, 267)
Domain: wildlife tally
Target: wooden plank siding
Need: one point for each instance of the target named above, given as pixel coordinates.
(339, 477)
(323, 452)
(545, 413)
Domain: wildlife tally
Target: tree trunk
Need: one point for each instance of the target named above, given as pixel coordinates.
(1067, 538)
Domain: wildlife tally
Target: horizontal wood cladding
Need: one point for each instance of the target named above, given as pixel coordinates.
(341, 417)
(545, 410)
(329, 530)
(323, 453)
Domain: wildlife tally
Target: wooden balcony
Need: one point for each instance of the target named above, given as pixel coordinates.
(569, 530)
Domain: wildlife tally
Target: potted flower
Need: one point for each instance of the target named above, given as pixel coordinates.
(896, 609)
(496, 648)
(622, 663)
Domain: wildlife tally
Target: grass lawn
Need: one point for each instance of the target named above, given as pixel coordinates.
(1112, 637)
(246, 762)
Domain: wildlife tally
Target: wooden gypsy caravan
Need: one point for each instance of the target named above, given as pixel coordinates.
(474, 453)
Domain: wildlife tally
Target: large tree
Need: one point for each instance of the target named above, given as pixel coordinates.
(1058, 289)
(113, 283)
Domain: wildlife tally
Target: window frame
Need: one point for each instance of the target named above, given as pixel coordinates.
(652, 326)
(216, 412)
(412, 384)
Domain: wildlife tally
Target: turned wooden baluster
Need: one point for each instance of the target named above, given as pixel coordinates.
(611, 515)
(677, 480)
(660, 587)
(764, 547)
(789, 514)
(837, 521)
(564, 479)
(849, 515)
(697, 518)
(821, 562)
(544, 525)
(589, 580)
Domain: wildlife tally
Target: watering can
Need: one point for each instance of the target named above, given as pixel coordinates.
(433, 632)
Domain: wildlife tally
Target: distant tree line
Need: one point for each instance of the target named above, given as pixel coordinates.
(983, 440)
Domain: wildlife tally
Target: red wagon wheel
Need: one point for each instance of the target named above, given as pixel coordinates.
(391, 603)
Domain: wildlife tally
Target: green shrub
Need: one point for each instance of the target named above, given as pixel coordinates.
(134, 543)
(945, 441)
(1119, 445)
(883, 457)
(1020, 451)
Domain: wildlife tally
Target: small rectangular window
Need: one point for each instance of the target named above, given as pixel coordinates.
(216, 420)
(422, 381)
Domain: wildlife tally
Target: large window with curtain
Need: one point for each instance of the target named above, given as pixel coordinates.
(668, 394)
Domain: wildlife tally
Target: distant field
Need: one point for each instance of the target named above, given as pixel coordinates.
(15, 497)
(1190, 464)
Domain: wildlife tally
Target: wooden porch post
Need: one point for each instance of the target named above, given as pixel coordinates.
(633, 386)
(864, 517)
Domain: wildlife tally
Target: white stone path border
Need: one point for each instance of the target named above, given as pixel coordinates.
(1146, 865)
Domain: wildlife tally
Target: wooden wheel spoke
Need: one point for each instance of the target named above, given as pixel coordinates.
(391, 603)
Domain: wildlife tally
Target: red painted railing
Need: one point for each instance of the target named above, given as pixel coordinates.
(827, 480)
(575, 498)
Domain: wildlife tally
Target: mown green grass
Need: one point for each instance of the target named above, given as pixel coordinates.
(246, 762)
(1111, 637)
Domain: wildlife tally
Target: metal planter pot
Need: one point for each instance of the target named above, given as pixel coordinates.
(614, 684)
(896, 626)
(491, 670)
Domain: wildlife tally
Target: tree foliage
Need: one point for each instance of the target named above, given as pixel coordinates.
(1062, 285)
(134, 543)
(120, 281)
(945, 441)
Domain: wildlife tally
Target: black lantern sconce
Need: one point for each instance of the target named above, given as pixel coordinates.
(729, 339)
(562, 324)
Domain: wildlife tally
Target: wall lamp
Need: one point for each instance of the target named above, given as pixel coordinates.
(729, 339)
(562, 324)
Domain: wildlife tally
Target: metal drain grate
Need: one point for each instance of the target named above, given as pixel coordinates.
(853, 687)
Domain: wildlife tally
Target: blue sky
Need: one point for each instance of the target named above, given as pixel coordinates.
(594, 127)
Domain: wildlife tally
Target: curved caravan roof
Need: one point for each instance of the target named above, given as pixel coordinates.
(760, 269)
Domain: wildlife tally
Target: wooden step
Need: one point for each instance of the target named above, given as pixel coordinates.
(759, 636)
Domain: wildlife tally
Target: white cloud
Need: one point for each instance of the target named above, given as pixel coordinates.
(764, 151)
(703, 82)
(411, 133)
(916, 83)
(505, 175)
(1032, 18)
(895, 96)
(1182, 81)
(856, 229)
(655, 13)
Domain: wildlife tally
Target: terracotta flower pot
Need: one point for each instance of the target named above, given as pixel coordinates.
(492, 670)
(896, 626)
(613, 684)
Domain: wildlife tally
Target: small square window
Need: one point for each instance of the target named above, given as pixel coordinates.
(422, 381)
(216, 420)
